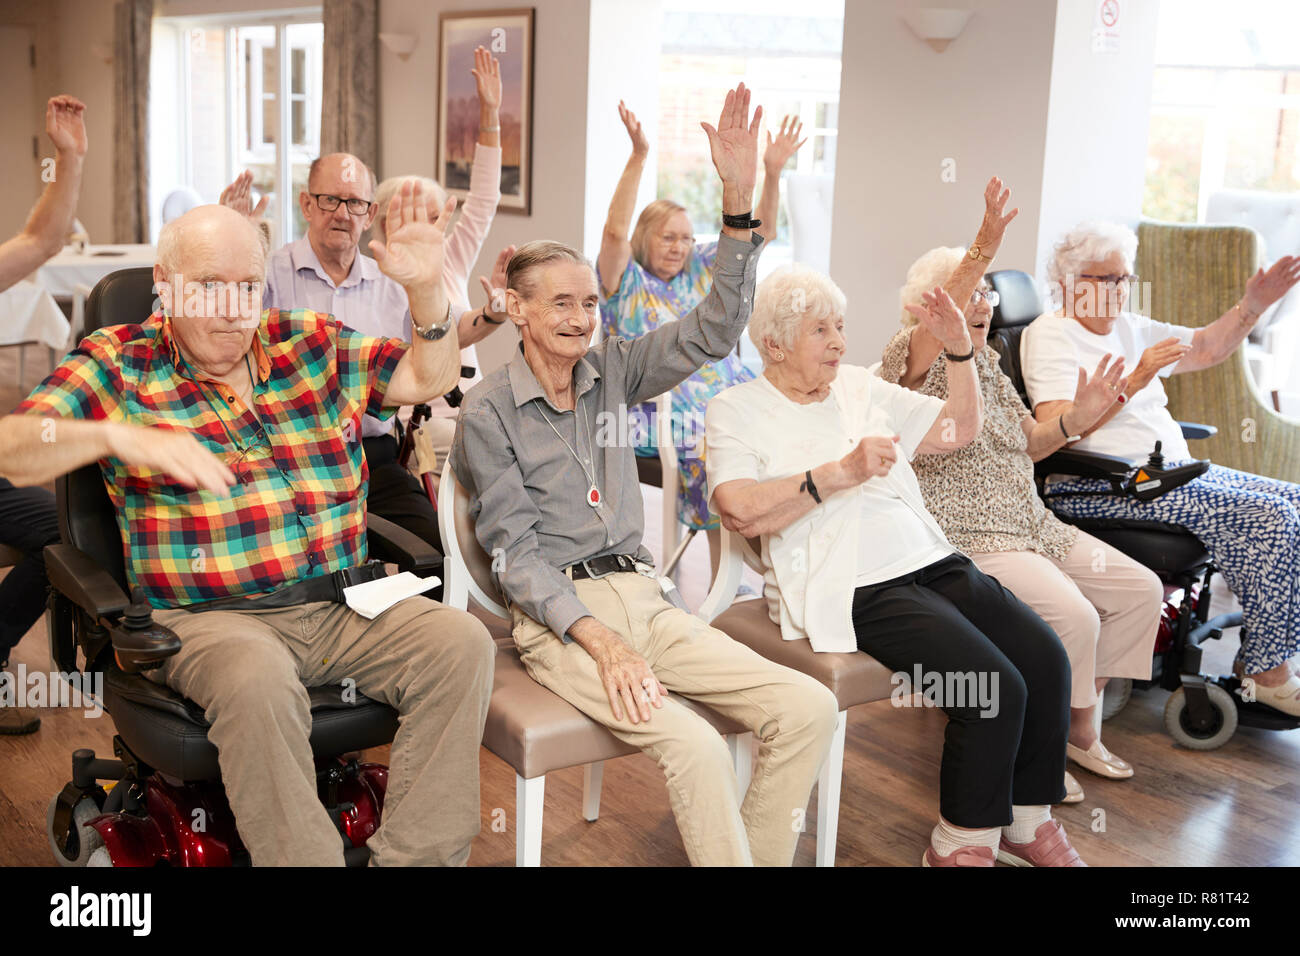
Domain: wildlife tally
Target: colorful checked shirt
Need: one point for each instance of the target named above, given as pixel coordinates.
(298, 507)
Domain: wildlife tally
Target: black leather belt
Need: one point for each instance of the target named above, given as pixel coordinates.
(322, 587)
(601, 566)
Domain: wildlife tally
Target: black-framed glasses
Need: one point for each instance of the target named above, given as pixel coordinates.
(328, 203)
(1110, 280)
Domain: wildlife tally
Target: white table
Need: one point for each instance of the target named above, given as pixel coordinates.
(62, 274)
(29, 314)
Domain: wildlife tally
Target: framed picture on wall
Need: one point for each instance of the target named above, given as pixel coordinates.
(507, 35)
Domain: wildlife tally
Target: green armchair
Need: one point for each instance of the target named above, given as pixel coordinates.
(1196, 273)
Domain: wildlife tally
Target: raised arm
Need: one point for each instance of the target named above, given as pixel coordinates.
(51, 218)
(925, 348)
(1216, 341)
(1096, 400)
(615, 244)
(775, 156)
(962, 415)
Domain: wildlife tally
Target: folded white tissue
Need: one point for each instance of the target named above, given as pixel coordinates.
(375, 597)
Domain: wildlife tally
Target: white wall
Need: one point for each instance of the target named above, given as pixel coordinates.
(409, 122)
(904, 110)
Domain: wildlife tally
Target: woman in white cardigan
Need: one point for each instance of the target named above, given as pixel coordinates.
(813, 458)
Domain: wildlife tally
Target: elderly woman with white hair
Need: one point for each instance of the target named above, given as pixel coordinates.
(1104, 606)
(1249, 524)
(658, 275)
(465, 242)
(813, 457)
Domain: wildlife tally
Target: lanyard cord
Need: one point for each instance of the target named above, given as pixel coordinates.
(590, 476)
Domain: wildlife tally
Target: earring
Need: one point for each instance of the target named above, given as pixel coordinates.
(780, 356)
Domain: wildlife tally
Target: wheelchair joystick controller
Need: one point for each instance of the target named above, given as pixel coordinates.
(1153, 479)
(139, 644)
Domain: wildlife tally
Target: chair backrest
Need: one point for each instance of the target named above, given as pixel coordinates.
(466, 567)
(737, 551)
(1019, 304)
(124, 297)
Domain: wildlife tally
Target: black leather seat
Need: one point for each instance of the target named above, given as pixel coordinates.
(158, 726)
(1167, 549)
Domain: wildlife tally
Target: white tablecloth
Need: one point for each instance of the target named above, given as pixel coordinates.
(62, 274)
(28, 313)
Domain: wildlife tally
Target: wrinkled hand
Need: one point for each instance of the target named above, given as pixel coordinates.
(1094, 396)
(1169, 351)
(495, 285)
(783, 146)
(733, 144)
(239, 197)
(640, 145)
(487, 78)
(1265, 288)
(994, 226)
(176, 454)
(65, 124)
(412, 253)
(942, 319)
(629, 682)
(873, 456)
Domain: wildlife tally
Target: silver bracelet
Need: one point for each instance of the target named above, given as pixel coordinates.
(490, 129)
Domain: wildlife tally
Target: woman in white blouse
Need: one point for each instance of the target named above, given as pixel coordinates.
(813, 457)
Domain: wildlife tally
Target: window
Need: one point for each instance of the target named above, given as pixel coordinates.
(1225, 105)
(226, 114)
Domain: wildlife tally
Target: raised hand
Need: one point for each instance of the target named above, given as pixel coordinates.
(495, 285)
(412, 254)
(994, 226)
(640, 145)
(942, 319)
(487, 78)
(1165, 352)
(65, 124)
(872, 456)
(733, 144)
(785, 144)
(239, 197)
(1094, 396)
(1265, 288)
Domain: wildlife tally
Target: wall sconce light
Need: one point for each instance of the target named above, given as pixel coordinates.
(937, 26)
(400, 43)
(102, 51)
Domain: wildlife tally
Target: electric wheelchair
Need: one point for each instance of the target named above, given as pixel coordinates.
(167, 806)
(1204, 711)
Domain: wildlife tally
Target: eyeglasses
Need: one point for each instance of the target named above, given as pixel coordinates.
(1110, 280)
(668, 240)
(239, 464)
(988, 295)
(328, 203)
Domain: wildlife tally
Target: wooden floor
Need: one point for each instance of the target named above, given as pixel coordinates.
(1238, 806)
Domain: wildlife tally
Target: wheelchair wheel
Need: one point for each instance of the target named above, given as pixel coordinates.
(1118, 691)
(1177, 724)
(82, 841)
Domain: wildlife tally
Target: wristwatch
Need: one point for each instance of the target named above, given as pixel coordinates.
(975, 253)
(433, 332)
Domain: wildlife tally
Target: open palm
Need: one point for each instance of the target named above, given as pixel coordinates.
(412, 255)
(733, 144)
(65, 125)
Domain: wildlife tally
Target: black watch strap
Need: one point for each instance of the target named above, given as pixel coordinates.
(959, 358)
(808, 486)
(743, 221)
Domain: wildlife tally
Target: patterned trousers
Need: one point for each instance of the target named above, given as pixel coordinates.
(1251, 528)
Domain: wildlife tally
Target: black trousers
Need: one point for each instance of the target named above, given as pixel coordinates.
(951, 619)
(28, 522)
(395, 494)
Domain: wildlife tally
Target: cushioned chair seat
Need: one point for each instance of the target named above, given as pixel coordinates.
(1165, 548)
(169, 732)
(855, 678)
(536, 732)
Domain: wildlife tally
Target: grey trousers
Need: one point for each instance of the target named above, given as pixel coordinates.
(250, 670)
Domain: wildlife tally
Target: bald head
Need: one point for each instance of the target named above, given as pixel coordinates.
(204, 231)
(340, 168)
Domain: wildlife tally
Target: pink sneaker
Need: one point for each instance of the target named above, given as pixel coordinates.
(1051, 847)
(966, 856)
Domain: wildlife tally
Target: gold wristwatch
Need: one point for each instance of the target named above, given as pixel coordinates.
(975, 253)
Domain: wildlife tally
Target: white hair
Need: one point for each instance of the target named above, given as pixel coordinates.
(788, 296)
(934, 268)
(386, 190)
(1089, 242)
(175, 235)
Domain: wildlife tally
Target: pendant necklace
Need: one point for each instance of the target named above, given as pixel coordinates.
(593, 493)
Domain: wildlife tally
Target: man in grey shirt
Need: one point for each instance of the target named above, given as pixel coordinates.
(563, 520)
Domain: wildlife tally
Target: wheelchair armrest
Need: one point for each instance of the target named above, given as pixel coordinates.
(394, 544)
(1085, 464)
(83, 582)
(1197, 430)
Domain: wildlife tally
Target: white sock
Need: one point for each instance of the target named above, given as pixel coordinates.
(948, 839)
(1025, 822)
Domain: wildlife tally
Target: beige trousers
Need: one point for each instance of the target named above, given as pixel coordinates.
(249, 671)
(1103, 605)
(791, 714)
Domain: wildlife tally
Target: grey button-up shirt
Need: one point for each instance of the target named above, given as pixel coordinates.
(528, 493)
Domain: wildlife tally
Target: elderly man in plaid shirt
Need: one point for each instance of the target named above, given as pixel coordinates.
(229, 441)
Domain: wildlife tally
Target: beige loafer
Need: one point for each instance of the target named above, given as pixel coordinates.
(1100, 761)
(1073, 792)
